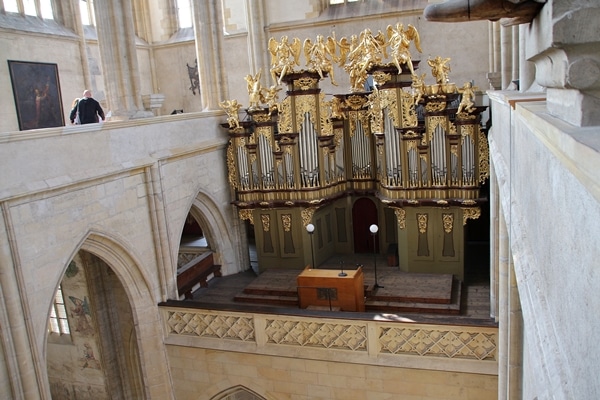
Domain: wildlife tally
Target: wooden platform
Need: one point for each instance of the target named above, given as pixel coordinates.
(398, 291)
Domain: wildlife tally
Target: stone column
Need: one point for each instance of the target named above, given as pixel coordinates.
(506, 56)
(21, 356)
(494, 76)
(526, 68)
(503, 293)
(567, 59)
(257, 40)
(515, 53)
(495, 211)
(515, 337)
(208, 33)
(116, 40)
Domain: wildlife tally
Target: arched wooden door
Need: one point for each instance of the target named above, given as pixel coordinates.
(364, 214)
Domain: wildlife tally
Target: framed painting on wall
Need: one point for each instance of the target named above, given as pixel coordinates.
(36, 90)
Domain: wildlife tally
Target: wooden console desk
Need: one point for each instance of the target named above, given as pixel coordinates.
(325, 288)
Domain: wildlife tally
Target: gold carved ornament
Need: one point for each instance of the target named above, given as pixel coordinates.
(422, 222)
(286, 222)
(307, 215)
(484, 157)
(265, 219)
(231, 167)
(471, 213)
(375, 111)
(326, 125)
(401, 217)
(435, 106)
(306, 104)
(246, 214)
(306, 83)
(409, 113)
(284, 122)
(433, 123)
(381, 77)
(448, 221)
(389, 100)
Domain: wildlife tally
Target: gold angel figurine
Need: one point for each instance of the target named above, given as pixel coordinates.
(254, 90)
(320, 55)
(284, 56)
(399, 40)
(468, 95)
(418, 84)
(439, 69)
(271, 96)
(231, 108)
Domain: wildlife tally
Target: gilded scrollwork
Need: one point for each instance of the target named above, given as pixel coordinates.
(409, 113)
(246, 214)
(401, 217)
(307, 215)
(285, 116)
(471, 213)
(266, 222)
(448, 222)
(231, 167)
(286, 222)
(484, 157)
(422, 222)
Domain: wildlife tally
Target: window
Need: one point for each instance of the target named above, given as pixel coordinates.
(86, 9)
(184, 13)
(58, 315)
(30, 7)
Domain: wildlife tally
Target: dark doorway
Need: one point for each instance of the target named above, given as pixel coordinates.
(364, 214)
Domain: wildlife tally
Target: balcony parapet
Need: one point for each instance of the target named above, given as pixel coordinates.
(384, 340)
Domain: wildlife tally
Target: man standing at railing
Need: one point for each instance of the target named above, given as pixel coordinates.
(87, 109)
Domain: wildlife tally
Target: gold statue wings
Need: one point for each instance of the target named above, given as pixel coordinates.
(308, 47)
(273, 44)
(412, 34)
(296, 47)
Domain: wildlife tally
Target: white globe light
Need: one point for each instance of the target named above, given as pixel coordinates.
(373, 228)
(310, 228)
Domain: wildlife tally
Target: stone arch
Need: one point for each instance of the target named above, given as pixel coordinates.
(238, 392)
(143, 302)
(222, 237)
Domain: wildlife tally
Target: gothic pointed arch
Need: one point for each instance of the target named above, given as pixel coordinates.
(238, 392)
(110, 256)
(220, 235)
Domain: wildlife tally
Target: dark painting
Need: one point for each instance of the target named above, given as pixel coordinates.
(37, 94)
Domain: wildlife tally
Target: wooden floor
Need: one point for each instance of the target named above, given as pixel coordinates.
(425, 297)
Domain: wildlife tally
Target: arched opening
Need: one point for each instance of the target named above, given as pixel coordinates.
(93, 353)
(364, 214)
(237, 393)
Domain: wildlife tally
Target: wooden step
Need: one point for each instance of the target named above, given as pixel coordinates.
(286, 301)
(386, 305)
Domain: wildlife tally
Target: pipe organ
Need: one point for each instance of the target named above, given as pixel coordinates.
(405, 144)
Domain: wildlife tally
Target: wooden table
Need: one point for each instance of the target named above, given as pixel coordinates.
(326, 288)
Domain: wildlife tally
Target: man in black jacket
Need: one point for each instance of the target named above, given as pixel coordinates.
(89, 110)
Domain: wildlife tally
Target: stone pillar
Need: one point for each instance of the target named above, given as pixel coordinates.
(20, 351)
(515, 54)
(567, 59)
(208, 33)
(116, 40)
(495, 211)
(515, 337)
(257, 40)
(494, 76)
(506, 56)
(503, 293)
(526, 68)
